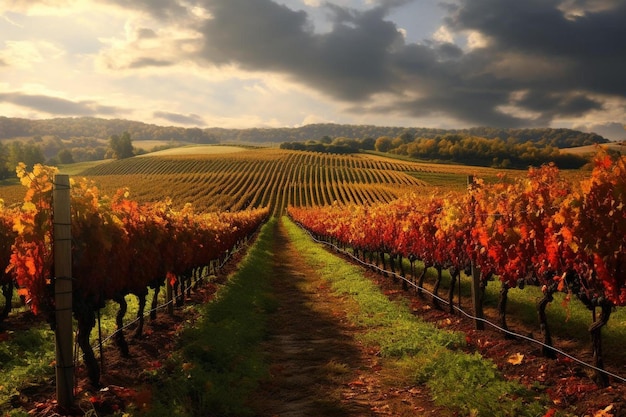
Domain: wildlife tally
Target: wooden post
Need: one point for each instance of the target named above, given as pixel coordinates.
(477, 302)
(62, 247)
(169, 298)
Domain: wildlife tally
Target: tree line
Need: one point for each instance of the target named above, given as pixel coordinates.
(513, 152)
(66, 140)
(481, 151)
(91, 127)
(53, 151)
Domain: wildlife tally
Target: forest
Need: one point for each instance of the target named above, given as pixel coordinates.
(67, 140)
(90, 127)
(514, 152)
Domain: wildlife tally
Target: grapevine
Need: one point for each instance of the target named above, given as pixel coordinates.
(539, 229)
(119, 247)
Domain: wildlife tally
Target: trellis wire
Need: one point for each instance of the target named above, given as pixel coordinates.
(158, 307)
(459, 309)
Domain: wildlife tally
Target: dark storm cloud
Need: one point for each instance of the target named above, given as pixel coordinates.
(191, 119)
(566, 104)
(349, 62)
(592, 45)
(551, 58)
(57, 106)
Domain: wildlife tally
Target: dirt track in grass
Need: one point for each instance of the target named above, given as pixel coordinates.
(318, 367)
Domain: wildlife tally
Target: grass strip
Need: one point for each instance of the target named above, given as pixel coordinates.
(569, 319)
(26, 358)
(220, 361)
(464, 382)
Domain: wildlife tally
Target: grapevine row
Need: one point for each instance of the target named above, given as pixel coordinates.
(540, 229)
(260, 178)
(119, 247)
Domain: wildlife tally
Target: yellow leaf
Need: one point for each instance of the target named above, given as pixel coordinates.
(19, 227)
(29, 207)
(605, 412)
(515, 359)
(559, 218)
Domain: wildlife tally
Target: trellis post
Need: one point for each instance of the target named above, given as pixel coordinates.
(477, 303)
(62, 246)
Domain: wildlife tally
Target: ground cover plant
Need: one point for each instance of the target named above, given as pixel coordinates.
(418, 349)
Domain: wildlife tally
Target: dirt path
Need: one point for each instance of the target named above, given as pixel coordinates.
(318, 368)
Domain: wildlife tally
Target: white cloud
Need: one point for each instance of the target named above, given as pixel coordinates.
(613, 110)
(443, 34)
(166, 47)
(11, 22)
(574, 9)
(476, 40)
(47, 7)
(28, 54)
(313, 119)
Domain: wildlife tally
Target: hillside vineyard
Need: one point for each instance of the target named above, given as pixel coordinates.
(260, 178)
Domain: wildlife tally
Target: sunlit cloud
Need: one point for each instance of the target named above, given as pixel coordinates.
(273, 62)
(28, 54)
(443, 34)
(184, 119)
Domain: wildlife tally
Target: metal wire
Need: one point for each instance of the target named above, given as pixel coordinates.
(460, 310)
(160, 306)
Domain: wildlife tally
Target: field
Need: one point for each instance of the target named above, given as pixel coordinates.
(228, 178)
(193, 150)
(593, 149)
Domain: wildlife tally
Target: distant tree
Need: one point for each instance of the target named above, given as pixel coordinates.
(5, 170)
(326, 140)
(383, 144)
(33, 155)
(28, 153)
(368, 143)
(65, 156)
(121, 146)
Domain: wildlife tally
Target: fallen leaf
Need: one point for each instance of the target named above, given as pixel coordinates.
(515, 359)
(605, 412)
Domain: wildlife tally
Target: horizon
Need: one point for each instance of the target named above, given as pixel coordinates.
(298, 127)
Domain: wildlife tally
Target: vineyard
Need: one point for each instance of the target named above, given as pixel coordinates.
(119, 247)
(271, 178)
(540, 230)
(149, 222)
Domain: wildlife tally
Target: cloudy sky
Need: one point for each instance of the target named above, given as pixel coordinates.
(276, 63)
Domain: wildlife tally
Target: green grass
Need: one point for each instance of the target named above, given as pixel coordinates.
(26, 358)
(78, 167)
(220, 361)
(568, 321)
(424, 354)
(446, 180)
